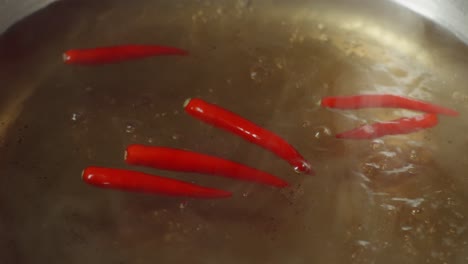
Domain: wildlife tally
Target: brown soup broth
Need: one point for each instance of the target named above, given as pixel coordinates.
(397, 199)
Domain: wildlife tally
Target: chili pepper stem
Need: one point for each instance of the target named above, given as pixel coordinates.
(186, 102)
(65, 57)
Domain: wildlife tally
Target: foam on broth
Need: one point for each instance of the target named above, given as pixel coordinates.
(395, 199)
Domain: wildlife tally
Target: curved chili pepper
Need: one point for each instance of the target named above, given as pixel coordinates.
(188, 161)
(404, 125)
(384, 101)
(134, 181)
(229, 121)
(114, 54)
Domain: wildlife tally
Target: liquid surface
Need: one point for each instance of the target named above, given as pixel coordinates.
(399, 199)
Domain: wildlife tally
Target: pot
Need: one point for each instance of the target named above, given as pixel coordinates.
(451, 14)
(393, 199)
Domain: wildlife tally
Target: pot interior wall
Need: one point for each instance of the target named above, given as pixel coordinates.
(396, 199)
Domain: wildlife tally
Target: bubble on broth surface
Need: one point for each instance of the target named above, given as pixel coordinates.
(78, 116)
(321, 132)
(130, 128)
(385, 164)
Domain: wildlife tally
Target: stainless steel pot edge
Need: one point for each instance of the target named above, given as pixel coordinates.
(451, 14)
(11, 11)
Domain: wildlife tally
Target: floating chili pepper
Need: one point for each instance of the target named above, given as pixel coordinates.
(188, 161)
(229, 121)
(384, 101)
(404, 125)
(134, 181)
(114, 54)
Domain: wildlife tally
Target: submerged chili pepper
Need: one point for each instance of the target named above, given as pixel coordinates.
(229, 121)
(404, 125)
(384, 101)
(114, 54)
(188, 161)
(134, 181)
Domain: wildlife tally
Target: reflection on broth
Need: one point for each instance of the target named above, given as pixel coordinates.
(397, 199)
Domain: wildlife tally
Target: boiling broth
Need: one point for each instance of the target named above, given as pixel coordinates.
(398, 199)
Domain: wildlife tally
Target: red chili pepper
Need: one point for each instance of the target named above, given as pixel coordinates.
(229, 121)
(188, 161)
(386, 101)
(404, 125)
(114, 54)
(134, 181)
